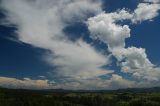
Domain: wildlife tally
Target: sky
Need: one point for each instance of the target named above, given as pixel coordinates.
(79, 44)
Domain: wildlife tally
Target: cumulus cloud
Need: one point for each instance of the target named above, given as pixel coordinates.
(118, 81)
(145, 11)
(104, 28)
(131, 60)
(25, 83)
(135, 61)
(136, 57)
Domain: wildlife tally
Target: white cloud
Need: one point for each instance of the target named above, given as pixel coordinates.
(152, 1)
(121, 15)
(145, 11)
(26, 78)
(104, 28)
(131, 60)
(135, 61)
(40, 23)
(133, 57)
(118, 81)
(79, 9)
(42, 77)
(78, 60)
(115, 82)
(26, 83)
(44, 20)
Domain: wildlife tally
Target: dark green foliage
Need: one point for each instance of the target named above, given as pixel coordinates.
(12, 97)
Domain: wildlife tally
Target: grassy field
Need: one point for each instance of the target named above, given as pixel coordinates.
(12, 97)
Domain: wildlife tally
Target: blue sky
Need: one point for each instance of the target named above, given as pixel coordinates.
(88, 44)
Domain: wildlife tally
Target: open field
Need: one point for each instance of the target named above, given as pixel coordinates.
(10, 97)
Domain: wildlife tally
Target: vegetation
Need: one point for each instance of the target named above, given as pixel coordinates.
(12, 97)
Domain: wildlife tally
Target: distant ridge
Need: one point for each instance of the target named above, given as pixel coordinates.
(152, 89)
(138, 90)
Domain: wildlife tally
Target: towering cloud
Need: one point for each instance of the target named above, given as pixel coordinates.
(131, 60)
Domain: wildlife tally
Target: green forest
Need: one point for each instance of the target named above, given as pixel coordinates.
(12, 97)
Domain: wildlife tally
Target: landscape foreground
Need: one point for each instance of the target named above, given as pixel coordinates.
(126, 97)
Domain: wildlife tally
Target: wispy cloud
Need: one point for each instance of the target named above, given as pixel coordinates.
(41, 23)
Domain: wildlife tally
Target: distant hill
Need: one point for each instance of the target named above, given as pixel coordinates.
(138, 90)
(153, 89)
